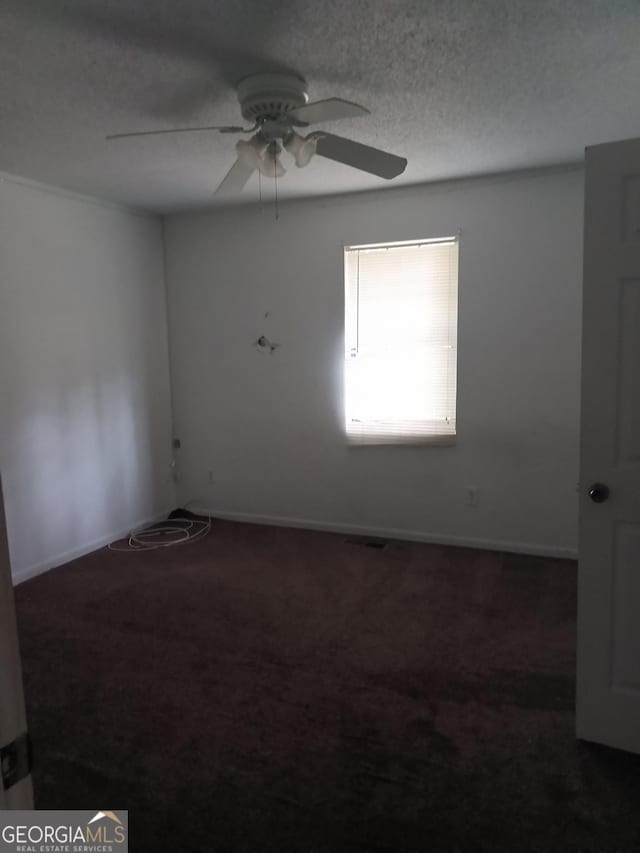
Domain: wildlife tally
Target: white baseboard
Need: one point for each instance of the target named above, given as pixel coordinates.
(533, 548)
(73, 553)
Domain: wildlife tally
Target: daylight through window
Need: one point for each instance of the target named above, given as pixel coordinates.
(401, 328)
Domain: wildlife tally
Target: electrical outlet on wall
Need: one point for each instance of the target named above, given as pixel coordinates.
(471, 496)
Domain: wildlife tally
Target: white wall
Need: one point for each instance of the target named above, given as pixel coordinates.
(85, 418)
(271, 427)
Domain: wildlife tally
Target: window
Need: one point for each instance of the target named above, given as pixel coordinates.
(401, 324)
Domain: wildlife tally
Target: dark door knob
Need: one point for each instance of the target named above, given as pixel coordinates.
(599, 493)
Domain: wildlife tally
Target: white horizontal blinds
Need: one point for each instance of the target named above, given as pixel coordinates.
(401, 306)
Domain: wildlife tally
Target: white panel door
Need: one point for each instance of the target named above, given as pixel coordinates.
(608, 675)
(13, 724)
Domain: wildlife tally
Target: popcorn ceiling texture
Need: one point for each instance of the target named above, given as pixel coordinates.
(459, 87)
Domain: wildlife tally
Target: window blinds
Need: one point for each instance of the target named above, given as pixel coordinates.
(401, 323)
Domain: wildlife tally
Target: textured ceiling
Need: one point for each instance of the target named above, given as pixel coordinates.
(458, 87)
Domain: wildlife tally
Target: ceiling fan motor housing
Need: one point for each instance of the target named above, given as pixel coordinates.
(269, 97)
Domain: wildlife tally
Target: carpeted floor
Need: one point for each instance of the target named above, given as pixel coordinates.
(282, 690)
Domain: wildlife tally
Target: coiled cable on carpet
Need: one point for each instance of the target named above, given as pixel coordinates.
(180, 528)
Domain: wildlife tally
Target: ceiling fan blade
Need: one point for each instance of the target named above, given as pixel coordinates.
(235, 179)
(330, 109)
(231, 128)
(360, 156)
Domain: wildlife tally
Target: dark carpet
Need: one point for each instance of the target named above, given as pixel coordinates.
(270, 690)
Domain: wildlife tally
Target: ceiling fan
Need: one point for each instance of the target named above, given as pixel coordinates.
(276, 105)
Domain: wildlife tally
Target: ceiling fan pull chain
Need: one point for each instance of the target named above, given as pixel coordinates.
(275, 176)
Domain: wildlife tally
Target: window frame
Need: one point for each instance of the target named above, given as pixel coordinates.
(398, 439)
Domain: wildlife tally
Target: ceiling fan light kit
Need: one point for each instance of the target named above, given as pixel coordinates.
(277, 104)
(251, 153)
(301, 148)
(271, 167)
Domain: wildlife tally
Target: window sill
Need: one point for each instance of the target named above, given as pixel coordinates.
(397, 441)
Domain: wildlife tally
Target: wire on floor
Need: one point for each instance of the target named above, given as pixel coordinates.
(178, 529)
